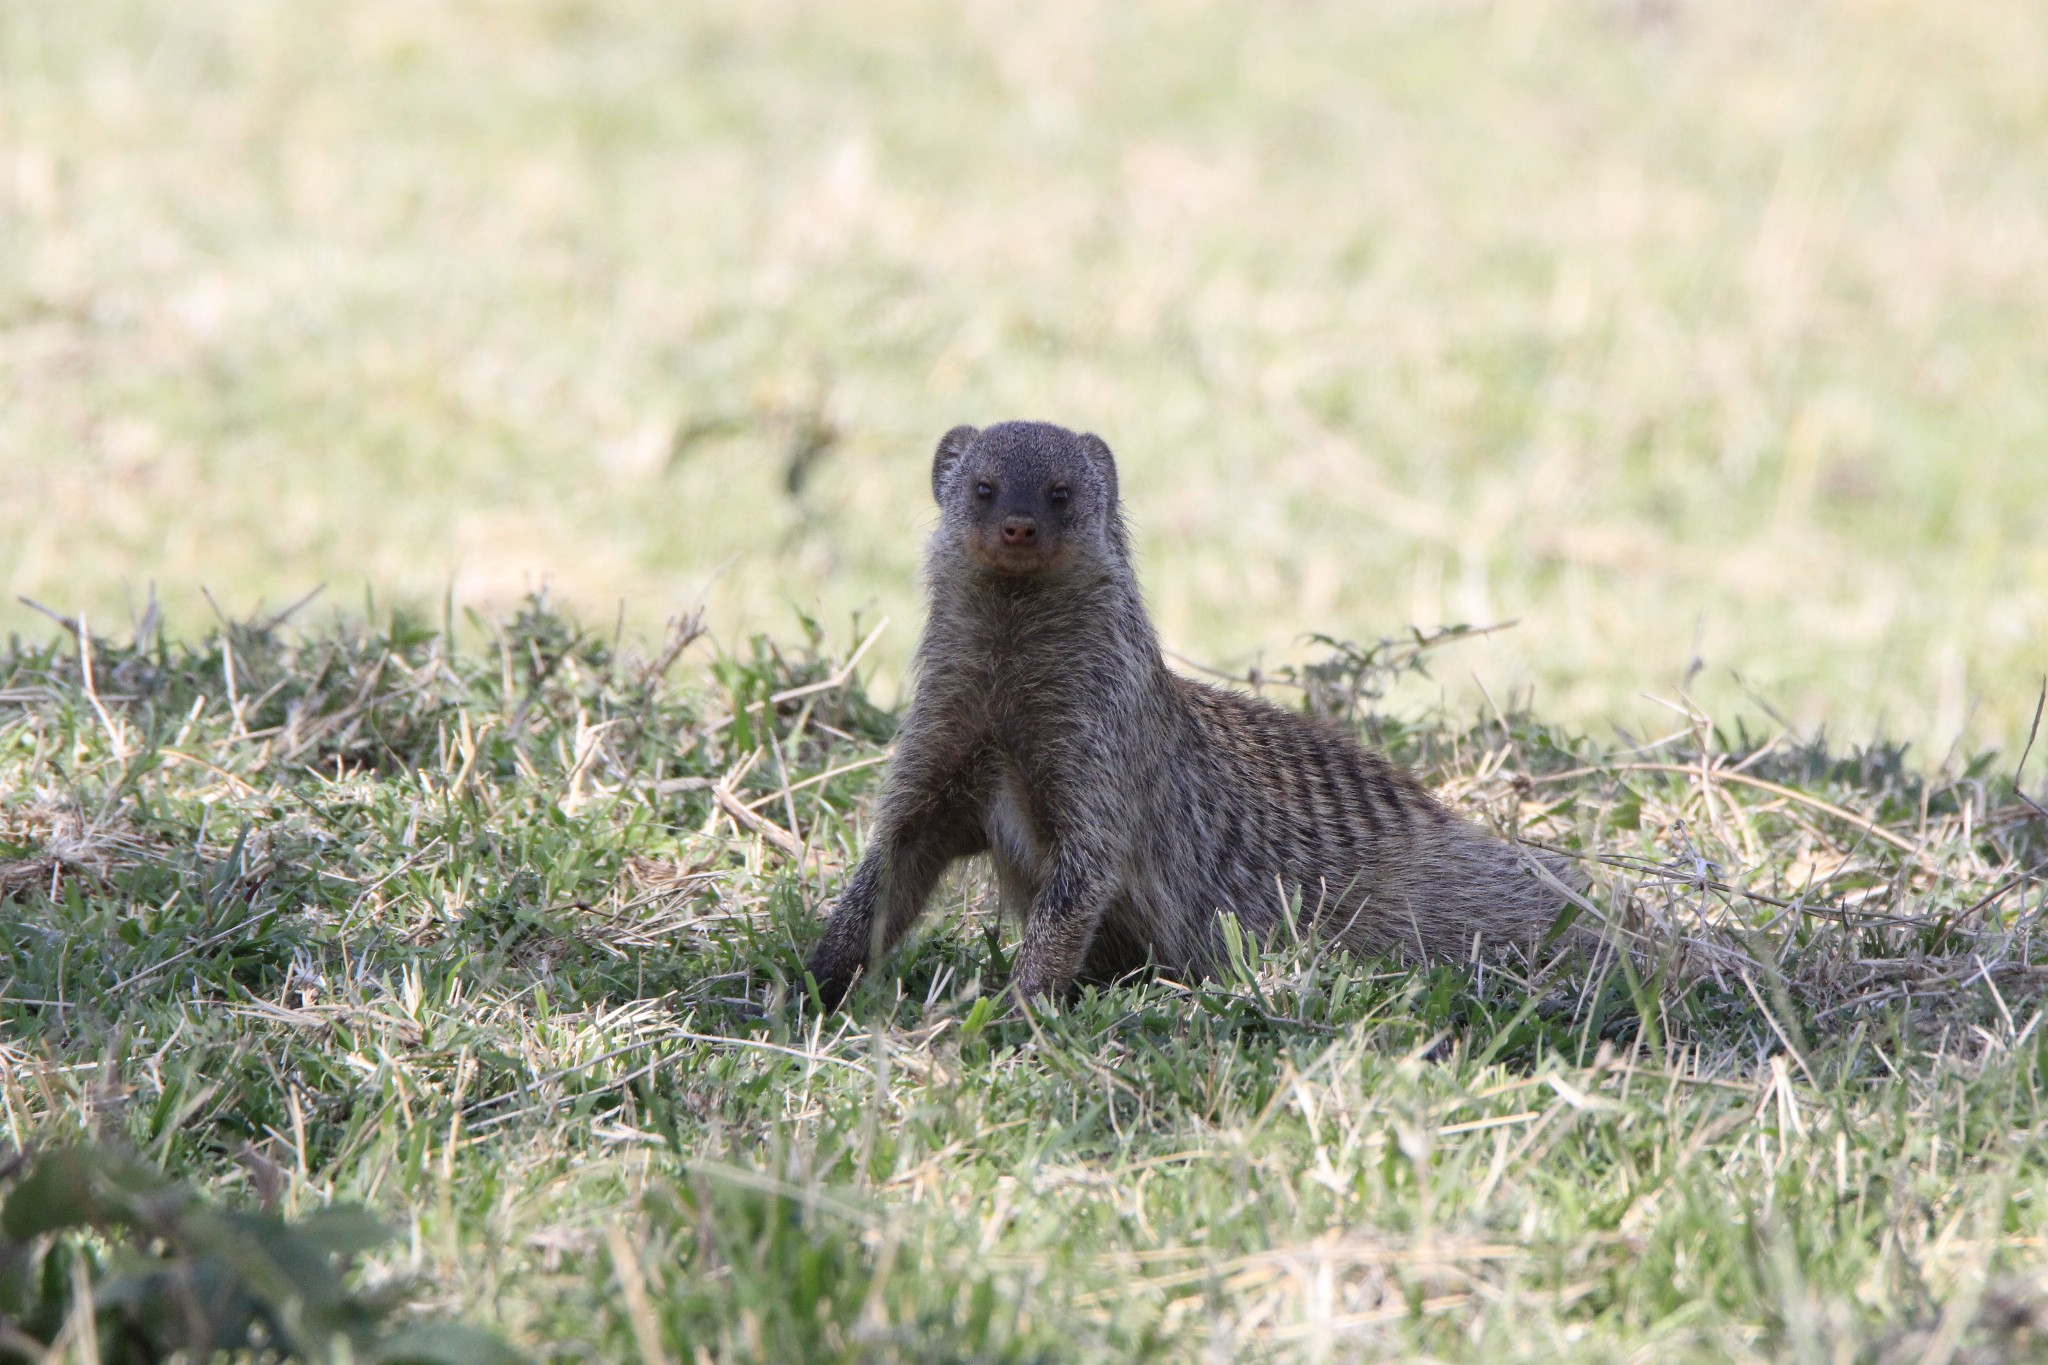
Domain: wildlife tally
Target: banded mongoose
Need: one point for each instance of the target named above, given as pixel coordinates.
(1127, 808)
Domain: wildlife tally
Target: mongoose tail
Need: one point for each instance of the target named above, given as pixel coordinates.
(1128, 809)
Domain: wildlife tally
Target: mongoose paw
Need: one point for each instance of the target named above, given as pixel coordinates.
(1022, 1009)
(1029, 997)
(834, 982)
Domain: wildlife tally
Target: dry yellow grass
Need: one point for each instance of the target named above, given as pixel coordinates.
(1677, 331)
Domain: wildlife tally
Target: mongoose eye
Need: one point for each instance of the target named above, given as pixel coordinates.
(1059, 492)
(984, 490)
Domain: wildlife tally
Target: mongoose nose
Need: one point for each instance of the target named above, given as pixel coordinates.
(1020, 531)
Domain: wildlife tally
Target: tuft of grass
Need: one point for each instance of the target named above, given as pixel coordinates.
(503, 940)
(102, 1260)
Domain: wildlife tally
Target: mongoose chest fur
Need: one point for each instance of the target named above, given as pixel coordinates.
(1128, 809)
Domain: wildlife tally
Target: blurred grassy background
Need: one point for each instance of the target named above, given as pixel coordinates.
(1681, 332)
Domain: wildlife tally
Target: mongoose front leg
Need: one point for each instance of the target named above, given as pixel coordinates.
(1062, 923)
(887, 892)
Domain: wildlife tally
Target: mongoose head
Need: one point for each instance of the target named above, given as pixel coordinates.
(1029, 499)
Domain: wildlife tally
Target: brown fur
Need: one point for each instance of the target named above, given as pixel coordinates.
(1127, 808)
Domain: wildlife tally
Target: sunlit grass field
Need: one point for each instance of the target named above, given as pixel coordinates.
(1704, 340)
(505, 944)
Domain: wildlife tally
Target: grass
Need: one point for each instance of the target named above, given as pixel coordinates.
(1679, 332)
(1703, 340)
(504, 942)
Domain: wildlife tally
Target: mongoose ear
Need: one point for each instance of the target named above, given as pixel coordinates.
(1104, 462)
(951, 447)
